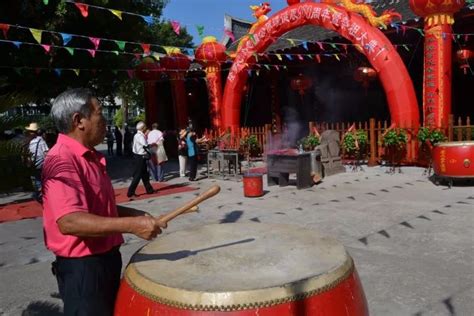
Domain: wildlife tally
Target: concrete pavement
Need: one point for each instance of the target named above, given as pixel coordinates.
(412, 241)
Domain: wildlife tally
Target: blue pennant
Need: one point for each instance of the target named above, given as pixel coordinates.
(289, 57)
(57, 71)
(17, 44)
(148, 19)
(66, 38)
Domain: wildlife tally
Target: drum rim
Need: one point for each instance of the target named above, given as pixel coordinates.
(455, 144)
(237, 300)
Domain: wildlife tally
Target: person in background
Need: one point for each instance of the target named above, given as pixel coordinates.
(109, 136)
(153, 137)
(82, 224)
(127, 142)
(118, 140)
(37, 149)
(193, 150)
(182, 152)
(141, 155)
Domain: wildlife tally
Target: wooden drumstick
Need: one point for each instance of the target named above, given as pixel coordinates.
(185, 208)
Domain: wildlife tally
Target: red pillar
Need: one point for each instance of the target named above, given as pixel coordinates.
(438, 16)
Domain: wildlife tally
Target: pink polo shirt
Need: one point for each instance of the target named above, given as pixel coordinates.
(75, 180)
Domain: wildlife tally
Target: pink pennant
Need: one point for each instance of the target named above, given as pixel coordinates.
(300, 57)
(4, 28)
(130, 73)
(230, 34)
(92, 52)
(453, 36)
(138, 56)
(84, 8)
(176, 26)
(320, 45)
(37, 71)
(465, 37)
(318, 58)
(146, 48)
(47, 48)
(95, 41)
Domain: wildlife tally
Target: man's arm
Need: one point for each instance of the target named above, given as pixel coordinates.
(83, 224)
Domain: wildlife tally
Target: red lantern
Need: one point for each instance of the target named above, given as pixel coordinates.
(437, 11)
(301, 83)
(210, 52)
(365, 75)
(148, 70)
(463, 56)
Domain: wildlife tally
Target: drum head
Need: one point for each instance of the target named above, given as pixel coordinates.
(237, 266)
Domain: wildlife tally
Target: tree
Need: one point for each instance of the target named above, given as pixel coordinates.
(35, 76)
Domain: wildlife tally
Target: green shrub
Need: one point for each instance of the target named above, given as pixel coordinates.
(434, 136)
(350, 139)
(396, 137)
(309, 142)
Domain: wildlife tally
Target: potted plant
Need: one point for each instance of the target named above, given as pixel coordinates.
(309, 142)
(394, 141)
(354, 144)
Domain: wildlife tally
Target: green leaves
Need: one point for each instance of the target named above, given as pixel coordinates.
(434, 136)
(355, 141)
(396, 137)
(310, 142)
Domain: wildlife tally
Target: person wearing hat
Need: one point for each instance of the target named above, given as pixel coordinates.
(182, 152)
(37, 149)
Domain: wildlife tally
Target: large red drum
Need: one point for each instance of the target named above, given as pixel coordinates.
(242, 269)
(454, 160)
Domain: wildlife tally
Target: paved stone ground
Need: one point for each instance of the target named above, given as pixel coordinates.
(412, 241)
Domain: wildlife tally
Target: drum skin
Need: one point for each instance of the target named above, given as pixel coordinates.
(454, 159)
(330, 288)
(253, 185)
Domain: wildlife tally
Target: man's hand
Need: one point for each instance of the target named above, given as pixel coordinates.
(146, 227)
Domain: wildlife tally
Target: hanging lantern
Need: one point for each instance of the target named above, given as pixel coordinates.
(436, 12)
(148, 69)
(301, 83)
(365, 75)
(463, 56)
(210, 52)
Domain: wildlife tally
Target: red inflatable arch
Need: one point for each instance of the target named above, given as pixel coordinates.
(372, 42)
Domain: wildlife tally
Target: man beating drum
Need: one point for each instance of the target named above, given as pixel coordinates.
(82, 224)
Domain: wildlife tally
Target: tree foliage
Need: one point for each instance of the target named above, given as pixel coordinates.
(24, 82)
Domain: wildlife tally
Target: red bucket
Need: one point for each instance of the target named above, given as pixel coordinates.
(253, 185)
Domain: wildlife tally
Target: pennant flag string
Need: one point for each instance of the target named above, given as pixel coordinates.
(67, 37)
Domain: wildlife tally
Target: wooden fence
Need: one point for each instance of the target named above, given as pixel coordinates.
(458, 130)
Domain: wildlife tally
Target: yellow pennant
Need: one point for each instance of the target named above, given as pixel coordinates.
(76, 71)
(37, 34)
(117, 13)
(171, 50)
(337, 57)
(279, 57)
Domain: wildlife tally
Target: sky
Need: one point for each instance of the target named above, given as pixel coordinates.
(210, 14)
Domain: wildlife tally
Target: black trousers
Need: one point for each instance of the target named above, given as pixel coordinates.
(140, 172)
(192, 160)
(88, 286)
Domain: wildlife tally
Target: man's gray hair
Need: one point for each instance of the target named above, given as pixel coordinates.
(141, 126)
(70, 102)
